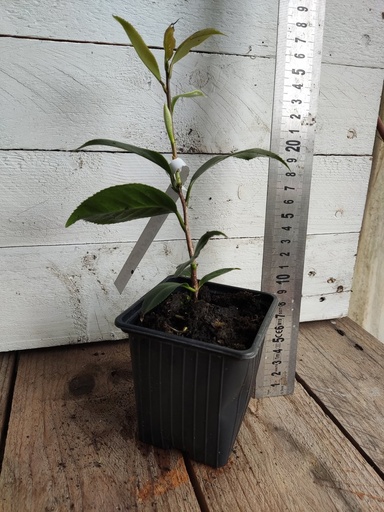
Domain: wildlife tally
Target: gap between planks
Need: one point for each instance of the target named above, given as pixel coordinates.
(8, 372)
(344, 487)
(339, 425)
(290, 456)
(342, 366)
(151, 47)
(71, 442)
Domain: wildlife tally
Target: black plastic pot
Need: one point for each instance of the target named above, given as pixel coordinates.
(192, 395)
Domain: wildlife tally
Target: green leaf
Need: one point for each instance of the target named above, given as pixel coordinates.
(246, 154)
(152, 156)
(192, 41)
(190, 94)
(158, 294)
(215, 273)
(199, 247)
(168, 123)
(141, 48)
(181, 269)
(204, 240)
(169, 42)
(123, 203)
(186, 272)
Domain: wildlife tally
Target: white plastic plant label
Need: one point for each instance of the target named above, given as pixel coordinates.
(150, 231)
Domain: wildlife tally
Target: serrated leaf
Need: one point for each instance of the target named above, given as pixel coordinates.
(141, 48)
(246, 154)
(152, 156)
(123, 203)
(215, 273)
(199, 247)
(191, 94)
(169, 41)
(158, 294)
(192, 41)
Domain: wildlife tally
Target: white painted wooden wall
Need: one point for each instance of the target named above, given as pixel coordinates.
(67, 75)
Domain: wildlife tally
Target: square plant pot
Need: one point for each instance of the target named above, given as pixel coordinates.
(192, 395)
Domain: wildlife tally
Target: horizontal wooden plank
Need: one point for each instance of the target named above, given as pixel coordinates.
(290, 456)
(72, 443)
(251, 30)
(53, 295)
(343, 365)
(98, 90)
(72, 431)
(351, 43)
(40, 190)
(324, 306)
(57, 95)
(7, 368)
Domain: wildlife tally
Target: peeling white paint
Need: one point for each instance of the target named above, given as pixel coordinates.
(57, 284)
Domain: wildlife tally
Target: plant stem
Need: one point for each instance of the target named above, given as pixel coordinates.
(188, 238)
(167, 91)
(191, 249)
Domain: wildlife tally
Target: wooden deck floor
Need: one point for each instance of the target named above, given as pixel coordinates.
(68, 439)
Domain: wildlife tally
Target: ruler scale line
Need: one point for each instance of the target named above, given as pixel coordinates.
(297, 77)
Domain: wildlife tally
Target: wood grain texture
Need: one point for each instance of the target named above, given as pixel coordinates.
(71, 443)
(366, 306)
(352, 35)
(344, 365)
(53, 295)
(67, 75)
(290, 456)
(7, 368)
(39, 190)
(57, 95)
(99, 90)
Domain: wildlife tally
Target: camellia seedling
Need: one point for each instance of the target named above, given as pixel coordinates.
(136, 200)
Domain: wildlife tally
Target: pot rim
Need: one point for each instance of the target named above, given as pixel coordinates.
(126, 322)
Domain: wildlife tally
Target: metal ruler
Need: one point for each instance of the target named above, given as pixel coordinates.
(297, 77)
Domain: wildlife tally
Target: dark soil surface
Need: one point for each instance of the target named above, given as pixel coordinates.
(227, 319)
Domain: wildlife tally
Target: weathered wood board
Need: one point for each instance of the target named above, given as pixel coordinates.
(39, 191)
(68, 93)
(65, 294)
(290, 456)
(71, 441)
(7, 367)
(344, 367)
(366, 306)
(353, 34)
(67, 74)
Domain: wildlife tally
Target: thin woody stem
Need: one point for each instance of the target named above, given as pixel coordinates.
(191, 249)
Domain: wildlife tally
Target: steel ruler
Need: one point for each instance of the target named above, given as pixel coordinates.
(297, 77)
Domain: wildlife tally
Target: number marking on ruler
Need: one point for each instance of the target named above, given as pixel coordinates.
(297, 77)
